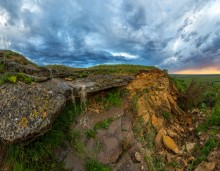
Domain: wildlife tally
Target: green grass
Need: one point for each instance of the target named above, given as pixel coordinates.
(135, 102)
(179, 83)
(93, 165)
(150, 135)
(9, 78)
(158, 163)
(2, 80)
(98, 146)
(203, 153)
(90, 133)
(167, 115)
(123, 68)
(77, 143)
(199, 78)
(22, 77)
(213, 120)
(103, 124)
(113, 98)
(9, 54)
(144, 133)
(2, 68)
(38, 155)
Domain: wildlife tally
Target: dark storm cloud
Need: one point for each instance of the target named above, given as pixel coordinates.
(169, 34)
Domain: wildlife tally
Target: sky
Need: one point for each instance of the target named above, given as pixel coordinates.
(181, 36)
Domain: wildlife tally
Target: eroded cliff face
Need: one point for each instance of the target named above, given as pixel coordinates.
(141, 126)
(155, 94)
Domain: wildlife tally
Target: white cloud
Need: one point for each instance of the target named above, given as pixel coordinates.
(166, 33)
(125, 55)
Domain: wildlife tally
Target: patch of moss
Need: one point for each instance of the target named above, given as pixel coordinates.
(22, 77)
(11, 79)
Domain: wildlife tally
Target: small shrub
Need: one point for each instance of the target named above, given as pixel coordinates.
(192, 96)
(93, 165)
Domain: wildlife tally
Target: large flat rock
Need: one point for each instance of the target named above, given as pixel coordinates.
(27, 111)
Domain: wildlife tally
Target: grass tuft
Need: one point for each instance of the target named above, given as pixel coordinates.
(93, 165)
(167, 115)
(22, 77)
(90, 133)
(103, 124)
(114, 98)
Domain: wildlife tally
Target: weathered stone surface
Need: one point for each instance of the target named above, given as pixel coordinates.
(112, 150)
(27, 110)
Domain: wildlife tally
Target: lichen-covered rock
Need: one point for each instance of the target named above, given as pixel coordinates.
(27, 110)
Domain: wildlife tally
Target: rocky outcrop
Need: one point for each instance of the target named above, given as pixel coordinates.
(27, 111)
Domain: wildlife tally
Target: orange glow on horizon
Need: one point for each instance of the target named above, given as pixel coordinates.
(209, 70)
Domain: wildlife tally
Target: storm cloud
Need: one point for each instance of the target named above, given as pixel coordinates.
(81, 33)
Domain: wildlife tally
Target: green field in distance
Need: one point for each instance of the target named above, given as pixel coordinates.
(200, 78)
